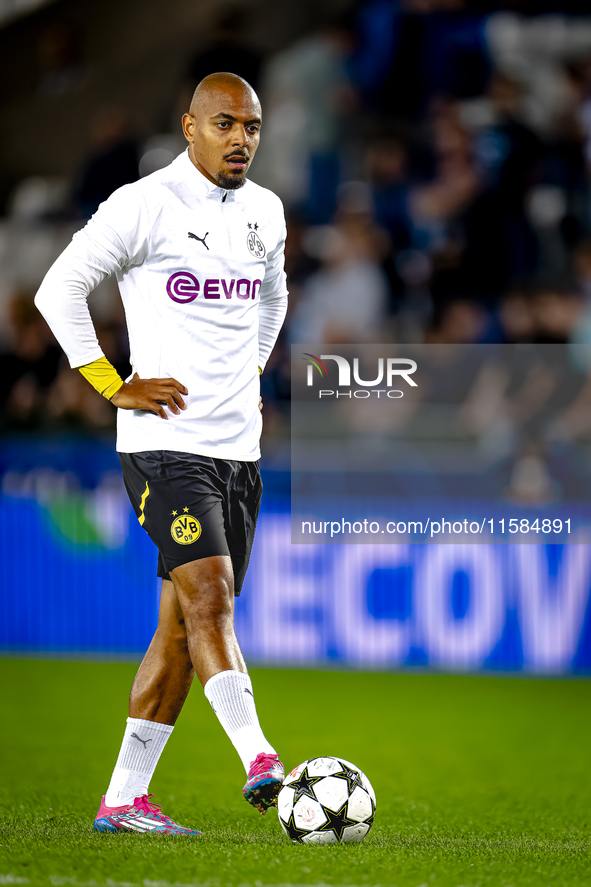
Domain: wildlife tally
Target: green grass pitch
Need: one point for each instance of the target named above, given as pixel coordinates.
(479, 781)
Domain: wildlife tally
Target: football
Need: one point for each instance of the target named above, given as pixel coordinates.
(326, 801)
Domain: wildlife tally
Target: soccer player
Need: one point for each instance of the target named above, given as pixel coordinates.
(198, 252)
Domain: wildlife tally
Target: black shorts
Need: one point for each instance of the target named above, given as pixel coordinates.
(194, 506)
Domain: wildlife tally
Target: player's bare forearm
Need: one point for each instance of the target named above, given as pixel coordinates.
(153, 395)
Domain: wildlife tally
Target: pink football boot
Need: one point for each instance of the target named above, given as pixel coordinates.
(141, 816)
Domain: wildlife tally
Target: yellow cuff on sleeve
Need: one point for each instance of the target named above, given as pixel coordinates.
(260, 371)
(103, 376)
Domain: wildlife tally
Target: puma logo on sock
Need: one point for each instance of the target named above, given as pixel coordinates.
(139, 739)
(246, 690)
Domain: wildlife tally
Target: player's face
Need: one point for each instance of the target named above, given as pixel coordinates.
(223, 135)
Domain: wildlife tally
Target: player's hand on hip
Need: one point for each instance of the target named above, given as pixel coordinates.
(152, 395)
(260, 403)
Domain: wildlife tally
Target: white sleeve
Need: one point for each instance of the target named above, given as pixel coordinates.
(273, 305)
(114, 238)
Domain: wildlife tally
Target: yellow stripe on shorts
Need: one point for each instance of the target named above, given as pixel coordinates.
(142, 516)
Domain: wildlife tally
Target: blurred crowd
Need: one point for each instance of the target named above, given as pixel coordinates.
(434, 160)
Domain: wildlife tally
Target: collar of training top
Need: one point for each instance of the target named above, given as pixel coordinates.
(199, 184)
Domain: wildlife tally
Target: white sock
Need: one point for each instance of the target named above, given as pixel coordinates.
(231, 697)
(142, 745)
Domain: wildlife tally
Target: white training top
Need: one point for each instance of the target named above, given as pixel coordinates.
(201, 276)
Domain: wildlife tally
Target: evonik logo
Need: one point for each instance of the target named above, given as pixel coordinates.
(183, 287)
(395, 368)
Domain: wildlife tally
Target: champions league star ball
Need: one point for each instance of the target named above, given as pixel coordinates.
(326, 800)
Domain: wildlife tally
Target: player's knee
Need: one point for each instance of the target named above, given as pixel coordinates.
(212, 595)
(171, 620)
(175, 630)
(206, 593)
(214, 603)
